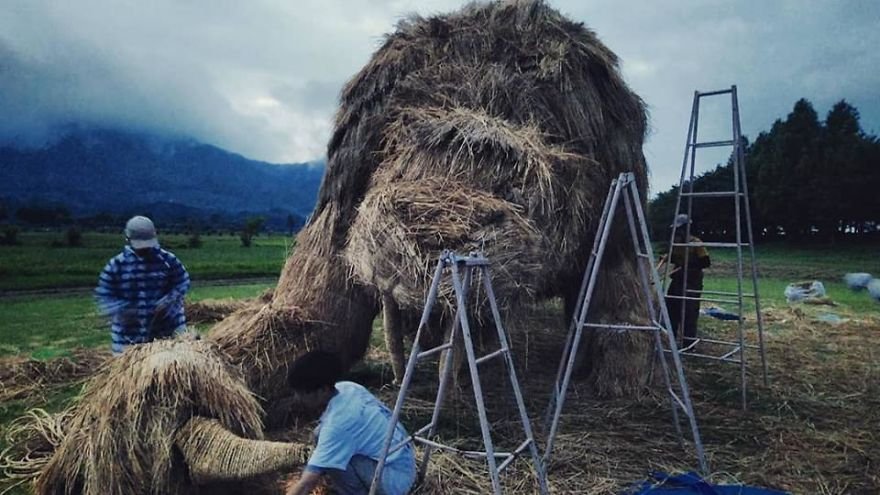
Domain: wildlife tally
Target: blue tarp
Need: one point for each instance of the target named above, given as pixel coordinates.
(692, 484)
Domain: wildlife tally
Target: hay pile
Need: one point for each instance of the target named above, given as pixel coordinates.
(212, 310)
(120, 438)
(25, 378)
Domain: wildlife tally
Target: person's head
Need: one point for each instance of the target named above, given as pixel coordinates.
(680, 224)
(313, 379)
(140, 233)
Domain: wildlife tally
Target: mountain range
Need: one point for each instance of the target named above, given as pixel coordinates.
(89, 172)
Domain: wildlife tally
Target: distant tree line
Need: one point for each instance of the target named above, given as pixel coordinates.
(808, 179)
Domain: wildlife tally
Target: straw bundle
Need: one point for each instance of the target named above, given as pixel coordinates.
(120, 439)
(215, 454)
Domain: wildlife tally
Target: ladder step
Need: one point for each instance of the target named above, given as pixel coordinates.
(514, 455)
(423, 429)
(725, 293)
(642, 255)
(620, 327)
(735, 350)
(707, 356)
(713, 144)
(479, 454)
(490, 356)
(708, 299)
(711, 244)
(724, 342)
(677, 400)
(434, 350)
(712, 194)
(702, 94)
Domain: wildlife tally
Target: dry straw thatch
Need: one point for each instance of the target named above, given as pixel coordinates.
(497, 127)
(212, 310)
(120, 439)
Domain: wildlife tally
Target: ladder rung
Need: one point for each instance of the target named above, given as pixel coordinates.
(730, 353)
(620, 327)
(724, 293)
(713, 93)
(513, 456)
(466, 453)
(423, 429)
(399, 445)
(679, 401)
(706, 356)
(435, 350)
(713, 144)
(709, 299)
(711, 194)
(642, 255)
(724, 342)
(710, 244)
(490, 356)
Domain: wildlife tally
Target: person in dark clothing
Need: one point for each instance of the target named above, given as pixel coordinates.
(698, 260)
(142, 289)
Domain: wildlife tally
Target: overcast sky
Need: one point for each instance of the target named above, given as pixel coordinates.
(262, 77)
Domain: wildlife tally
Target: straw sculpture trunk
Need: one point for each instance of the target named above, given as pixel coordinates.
(496, 128)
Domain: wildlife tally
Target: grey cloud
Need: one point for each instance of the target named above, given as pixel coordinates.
(262, 78)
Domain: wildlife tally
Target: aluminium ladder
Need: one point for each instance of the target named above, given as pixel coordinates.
(733, 351)
(624, 189)
(462, 270)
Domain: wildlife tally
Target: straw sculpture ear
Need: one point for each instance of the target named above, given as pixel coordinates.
(213, 453)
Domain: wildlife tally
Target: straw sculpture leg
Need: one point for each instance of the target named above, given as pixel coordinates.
(392, 324)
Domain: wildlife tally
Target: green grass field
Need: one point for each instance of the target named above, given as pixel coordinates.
(47, 326)
(36, 264)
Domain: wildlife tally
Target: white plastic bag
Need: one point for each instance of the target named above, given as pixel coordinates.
(874, 289)
(799, 291)
(857, 281)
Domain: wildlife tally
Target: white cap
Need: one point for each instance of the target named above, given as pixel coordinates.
(141, 233)
(680, 219)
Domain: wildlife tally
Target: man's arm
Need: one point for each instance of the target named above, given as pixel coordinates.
(107, 292)
(307, 482)
(179, 279)
(703, 260)
(178, 283)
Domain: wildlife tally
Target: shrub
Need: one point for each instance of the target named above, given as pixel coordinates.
(73, 237)
(194, 241)
(10, 236)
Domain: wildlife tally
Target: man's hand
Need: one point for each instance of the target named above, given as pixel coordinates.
(307, 482)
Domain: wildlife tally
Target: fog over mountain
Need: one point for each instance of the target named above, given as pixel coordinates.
(91, 171)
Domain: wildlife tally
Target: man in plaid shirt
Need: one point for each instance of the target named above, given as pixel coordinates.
(142, 288)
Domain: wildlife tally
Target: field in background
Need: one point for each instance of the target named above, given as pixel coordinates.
(37, 264)
(44, 326)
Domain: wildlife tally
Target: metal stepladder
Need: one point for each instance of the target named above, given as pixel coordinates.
(462, 270)
(733, 351)
(624, 189)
